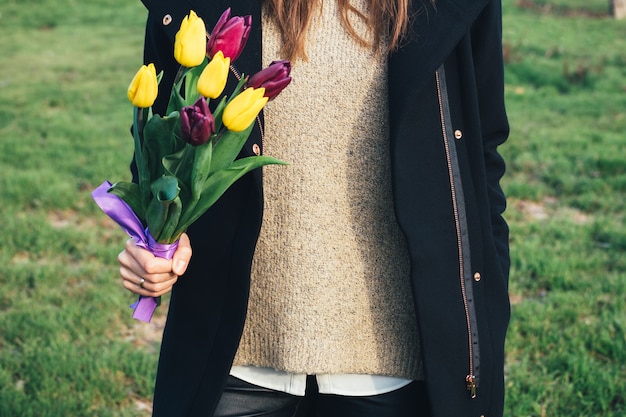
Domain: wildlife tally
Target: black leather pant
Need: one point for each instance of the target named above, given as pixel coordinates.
(241, 399)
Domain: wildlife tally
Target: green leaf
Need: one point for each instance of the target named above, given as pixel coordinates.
(227, 148)
(139, 117)
(253, 162)
(155, 218)
(217, 184)
(131, 194)
(171, 232)
(191, 82)
(160, 141)
(176, 101)
(165, 190)
(179, 165)
(239, 87)
(217, 114)
(201, 169)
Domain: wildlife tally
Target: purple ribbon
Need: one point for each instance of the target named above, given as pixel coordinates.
(123, 215)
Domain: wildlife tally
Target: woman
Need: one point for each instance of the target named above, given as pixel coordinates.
(380, 268)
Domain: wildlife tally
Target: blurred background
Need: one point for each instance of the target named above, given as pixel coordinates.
(68, 346)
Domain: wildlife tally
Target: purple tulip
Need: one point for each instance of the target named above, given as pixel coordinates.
(229, 35)
(274, 78)
(196, 123)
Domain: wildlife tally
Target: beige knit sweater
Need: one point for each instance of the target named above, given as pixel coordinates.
(330, 278)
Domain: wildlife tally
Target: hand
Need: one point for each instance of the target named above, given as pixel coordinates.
(146, 274)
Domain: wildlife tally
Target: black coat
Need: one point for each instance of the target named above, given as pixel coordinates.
(447, 118)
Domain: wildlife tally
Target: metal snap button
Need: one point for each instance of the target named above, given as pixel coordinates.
(477, 276)
(458, 134)
(256, 149)
(167, 19)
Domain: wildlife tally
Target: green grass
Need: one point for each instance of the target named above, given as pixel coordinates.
(566, 97)
(67, 344)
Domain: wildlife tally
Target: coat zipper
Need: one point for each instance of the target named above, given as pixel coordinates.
(472, 378)
(258, 183)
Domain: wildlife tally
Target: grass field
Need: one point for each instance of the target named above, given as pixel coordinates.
(566, 95)
(68, 346)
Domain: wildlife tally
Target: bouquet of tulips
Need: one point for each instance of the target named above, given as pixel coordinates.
(186, 159)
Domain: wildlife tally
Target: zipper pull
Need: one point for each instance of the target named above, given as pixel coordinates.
(471, 385)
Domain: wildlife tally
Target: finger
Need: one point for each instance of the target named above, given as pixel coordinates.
(131, 280)
(143, 262)
(160, 288)
(182, 256)
(135, 286)
(148, 275)
(133, 273)
(145, 288)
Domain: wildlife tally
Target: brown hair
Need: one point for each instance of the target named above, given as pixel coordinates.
(293, 18)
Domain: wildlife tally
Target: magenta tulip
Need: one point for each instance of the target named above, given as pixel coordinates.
(229, 35)
(196, 123)
(274, 78)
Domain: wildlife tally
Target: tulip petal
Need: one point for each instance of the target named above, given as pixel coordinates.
(144, 87)
(190, 41)
(274, 78)
(229, 35)
(213, 79)
(197, 124)
(243, 109)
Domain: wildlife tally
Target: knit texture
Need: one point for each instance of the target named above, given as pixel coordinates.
(330, 278)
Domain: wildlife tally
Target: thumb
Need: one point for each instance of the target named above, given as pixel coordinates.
(182, 256)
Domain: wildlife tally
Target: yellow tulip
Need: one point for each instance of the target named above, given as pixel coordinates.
(143, 89)
(213, 78)
(190, 41)
(243, 109)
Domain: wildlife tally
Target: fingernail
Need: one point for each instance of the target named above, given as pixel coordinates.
(180, 266)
